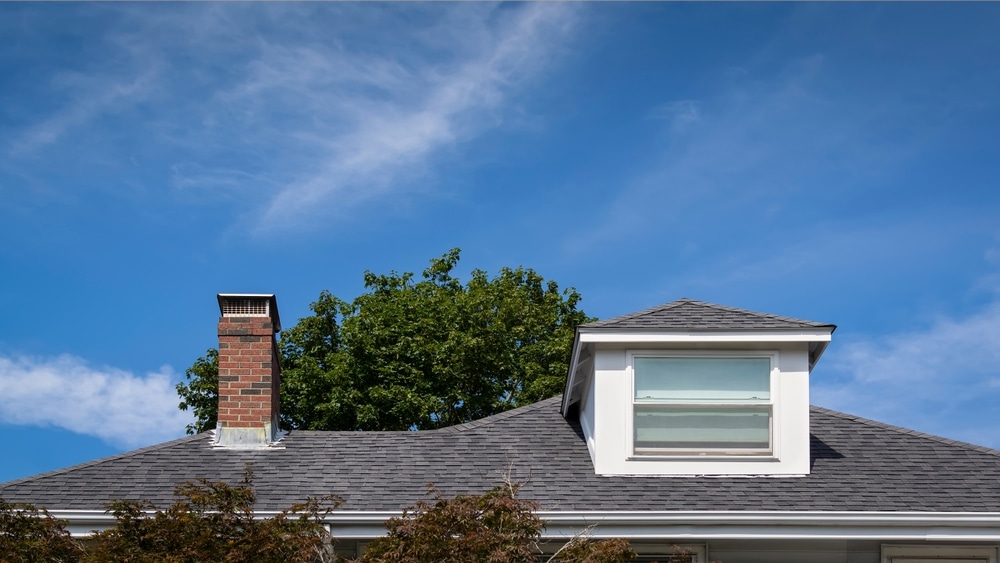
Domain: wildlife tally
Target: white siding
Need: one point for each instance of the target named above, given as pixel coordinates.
(610, 407)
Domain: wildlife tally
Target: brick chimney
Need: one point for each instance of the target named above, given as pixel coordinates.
(249, 371)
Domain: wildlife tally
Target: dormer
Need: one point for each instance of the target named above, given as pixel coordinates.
(693, 388)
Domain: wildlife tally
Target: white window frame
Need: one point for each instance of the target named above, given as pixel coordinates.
(646, 552)
(938, 554)
(773, 402)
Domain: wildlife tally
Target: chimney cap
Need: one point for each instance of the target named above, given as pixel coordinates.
(250, 305)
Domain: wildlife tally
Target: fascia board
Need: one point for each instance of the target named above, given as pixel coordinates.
(83, 523)
(782, 517)
(343, 524)
(632, 336)
(884, 526)
(693, 525)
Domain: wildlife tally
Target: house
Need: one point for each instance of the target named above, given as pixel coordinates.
(687, 423)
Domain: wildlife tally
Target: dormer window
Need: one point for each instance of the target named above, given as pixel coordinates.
(698, 404)
(693, 388)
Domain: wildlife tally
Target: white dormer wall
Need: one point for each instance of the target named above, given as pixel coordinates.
(606, 416)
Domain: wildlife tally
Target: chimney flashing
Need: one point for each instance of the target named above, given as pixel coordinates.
(227, 438)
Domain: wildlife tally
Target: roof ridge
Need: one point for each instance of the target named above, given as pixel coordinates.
(904, 430)
(105, 459)
(757, 313)
(492, 419)
(646, 311)
(677, 303)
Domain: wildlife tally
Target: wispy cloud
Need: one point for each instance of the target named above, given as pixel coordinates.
(791, 124)
(751, 142)
(120, 407)
(91, 98)
(943, 378)
(217, 182)
(287, 114)
(424, 107)
(844, 254)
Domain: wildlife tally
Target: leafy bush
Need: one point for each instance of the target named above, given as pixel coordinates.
(496, 526)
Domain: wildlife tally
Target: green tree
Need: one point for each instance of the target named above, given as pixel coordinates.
(214, 521)
(495, 526)
(32, 535)
(413, 353)
(201, 393)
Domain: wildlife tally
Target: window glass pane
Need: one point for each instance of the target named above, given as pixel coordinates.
(703, 379)
(699, 428)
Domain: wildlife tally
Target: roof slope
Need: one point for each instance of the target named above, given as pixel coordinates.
(688, 314)
(857, 465)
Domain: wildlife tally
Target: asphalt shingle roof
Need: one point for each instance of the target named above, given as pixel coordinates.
(688, 314)
(857, 465)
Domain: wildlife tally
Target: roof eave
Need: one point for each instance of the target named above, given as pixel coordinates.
(693, 525)
(761, 525)
(623, 335)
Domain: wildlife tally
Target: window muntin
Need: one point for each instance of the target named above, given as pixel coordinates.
(697, 405)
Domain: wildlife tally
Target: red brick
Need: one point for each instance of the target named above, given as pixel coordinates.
(248, 363)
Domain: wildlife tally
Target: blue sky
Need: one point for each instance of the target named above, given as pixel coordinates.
(837, 162)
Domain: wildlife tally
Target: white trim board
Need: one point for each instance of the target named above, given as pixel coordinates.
(680, 525)
(606, 336)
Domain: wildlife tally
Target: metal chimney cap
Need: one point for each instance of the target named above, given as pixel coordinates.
(250, 305)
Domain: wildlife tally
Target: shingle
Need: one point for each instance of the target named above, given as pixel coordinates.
(688, 314)
(857, 465)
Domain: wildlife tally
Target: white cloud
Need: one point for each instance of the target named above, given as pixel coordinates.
(119, 407)
(90, 96)
(290, 114)
(217, 181)
(754, 145)
(378, 122)
(941, 378)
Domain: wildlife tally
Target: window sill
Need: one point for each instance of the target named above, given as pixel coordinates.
(766, 458)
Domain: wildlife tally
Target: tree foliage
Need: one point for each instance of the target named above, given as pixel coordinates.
(496, 526)
(210, 521)
(413, 353)
(32, 535)
(201, 393)
(214, 521)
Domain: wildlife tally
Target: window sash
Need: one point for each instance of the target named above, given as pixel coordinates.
(702, 428)
(722, 379)
(688, 405)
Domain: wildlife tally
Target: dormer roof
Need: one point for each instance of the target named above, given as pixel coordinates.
(691, 315)
(689, 321)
